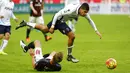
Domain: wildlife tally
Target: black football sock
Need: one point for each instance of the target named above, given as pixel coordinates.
(28, 32)
(26, 48)
(31, 45)
(45, 35)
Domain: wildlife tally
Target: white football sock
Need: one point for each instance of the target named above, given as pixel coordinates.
(3, 45)
(38, 54)
(69, 52)
(31, 24)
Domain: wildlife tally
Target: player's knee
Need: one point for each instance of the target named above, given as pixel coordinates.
(72, 36)
(7, 36)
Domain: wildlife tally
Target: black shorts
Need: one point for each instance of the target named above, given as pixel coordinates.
(5, 29)
(61, 26)
(44, 65)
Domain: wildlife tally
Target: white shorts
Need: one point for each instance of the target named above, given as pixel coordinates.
(38, 20)
(38, 54)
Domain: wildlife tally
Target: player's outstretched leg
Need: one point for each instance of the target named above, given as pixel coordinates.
(22, 24)
(23, 46)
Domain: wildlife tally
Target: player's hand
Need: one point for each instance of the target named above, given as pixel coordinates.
(1, 17)
(51, 30)
(98, 33)
(16, 19)
(35, 12)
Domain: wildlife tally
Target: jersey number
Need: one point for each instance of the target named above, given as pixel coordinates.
(37, 51)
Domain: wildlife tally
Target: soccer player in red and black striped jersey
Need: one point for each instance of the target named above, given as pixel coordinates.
(48, 62)
(36, 16)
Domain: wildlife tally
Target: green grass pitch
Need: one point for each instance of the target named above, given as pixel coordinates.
(89, 49)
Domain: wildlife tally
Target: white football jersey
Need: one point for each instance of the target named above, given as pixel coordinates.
(67, 2)
(6, 10)
(71, 12)
(67, 13)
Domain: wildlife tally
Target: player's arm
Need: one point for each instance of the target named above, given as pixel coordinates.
(31, 52)
(31, 6)
(51, 57)
(1, 4)
(65, 11)
(14, 17)
(93, 25)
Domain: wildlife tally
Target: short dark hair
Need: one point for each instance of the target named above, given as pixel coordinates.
(85, 6)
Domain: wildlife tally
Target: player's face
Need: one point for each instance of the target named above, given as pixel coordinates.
(82, 12)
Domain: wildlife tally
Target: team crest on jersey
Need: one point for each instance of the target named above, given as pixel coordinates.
(67, 11)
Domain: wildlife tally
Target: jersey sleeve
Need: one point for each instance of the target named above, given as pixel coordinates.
(12, 15)
(1, 3)
(65, 11)
(91, 21)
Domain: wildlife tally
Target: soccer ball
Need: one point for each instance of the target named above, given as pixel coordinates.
(111, 63)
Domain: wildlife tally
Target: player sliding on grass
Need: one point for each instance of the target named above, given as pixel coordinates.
(59, 22)
(48, 62)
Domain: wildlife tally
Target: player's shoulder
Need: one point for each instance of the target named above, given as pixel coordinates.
(70, 8)
(12, 2)
(73, 5)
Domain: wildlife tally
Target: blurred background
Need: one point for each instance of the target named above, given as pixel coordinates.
(96, 6)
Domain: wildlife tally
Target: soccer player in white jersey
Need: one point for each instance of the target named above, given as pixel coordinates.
(71, 22)
(59, 23)
(6, 12)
